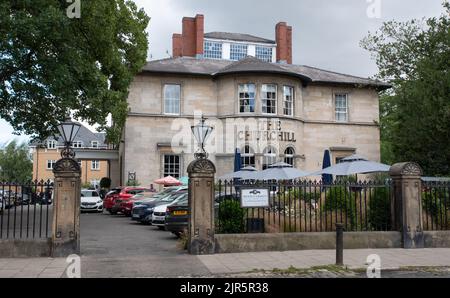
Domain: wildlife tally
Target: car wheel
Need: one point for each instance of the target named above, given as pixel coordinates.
(161, 228)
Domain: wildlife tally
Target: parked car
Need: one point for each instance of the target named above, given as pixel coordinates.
(177, 214)
(125, 206)
(120, 193)
(90, 201)
(159, 213)
(8, 198)
(143, 212)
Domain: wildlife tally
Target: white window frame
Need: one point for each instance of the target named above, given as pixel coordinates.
(264, 53)
(287, 102)
(242, 100)
(289, 156)
(341, 110)
(77, 144)
(239, 49)
(171, 165)
(96, 146)
(265, 99)
(51, 163)
(51, 144)
(212, 49)
(269, 157)
(246, 157)
(173, 100)
(95, 165)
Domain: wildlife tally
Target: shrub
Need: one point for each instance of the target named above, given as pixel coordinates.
(105, 182)
(86, 185)
(231, 217)
(380, 209)
(339, 198)
(433, 202)
(133, 183)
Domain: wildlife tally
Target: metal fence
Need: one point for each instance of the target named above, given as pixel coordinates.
(436, 205)
(305, 206)
(25, 210)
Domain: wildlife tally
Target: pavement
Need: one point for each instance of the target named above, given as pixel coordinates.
(114, 246)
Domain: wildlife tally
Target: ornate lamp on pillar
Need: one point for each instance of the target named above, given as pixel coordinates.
(201, 196)
(201, 133)
(67, 187)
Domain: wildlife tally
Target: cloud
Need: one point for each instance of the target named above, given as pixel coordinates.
(326, 32)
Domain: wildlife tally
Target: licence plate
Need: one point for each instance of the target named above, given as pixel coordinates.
(135, 215)
(180, 213)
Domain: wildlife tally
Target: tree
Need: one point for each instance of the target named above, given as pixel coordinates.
(414, 57)
(15, 163)
(51, 64)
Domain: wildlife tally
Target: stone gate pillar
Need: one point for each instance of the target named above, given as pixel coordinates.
(406, 203)
(66, 208)
(201, 207)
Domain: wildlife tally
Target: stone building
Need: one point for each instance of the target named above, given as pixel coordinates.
(47, 152)
(254, 97)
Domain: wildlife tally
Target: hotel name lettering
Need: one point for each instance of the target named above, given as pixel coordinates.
(269, 131)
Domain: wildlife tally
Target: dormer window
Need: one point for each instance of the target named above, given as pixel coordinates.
(264, 53)
(51, 144)
(94, 144)
(77, 144)
(238, 51)
(213, 50)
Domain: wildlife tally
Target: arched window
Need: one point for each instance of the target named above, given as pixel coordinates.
(289, 156)
(270, 157)
(248, 157)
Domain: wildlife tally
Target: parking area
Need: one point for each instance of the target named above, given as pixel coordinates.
(116, 246)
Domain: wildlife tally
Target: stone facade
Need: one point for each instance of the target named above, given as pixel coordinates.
(149, 134)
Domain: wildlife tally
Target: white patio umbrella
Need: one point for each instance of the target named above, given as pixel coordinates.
(242, 174)
(354, 164)
(279, 171)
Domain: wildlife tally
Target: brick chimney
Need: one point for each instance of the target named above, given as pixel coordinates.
(283, 36)
(190, 42)
(177, 45)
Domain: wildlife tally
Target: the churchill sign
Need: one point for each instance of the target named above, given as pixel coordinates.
(254, 197)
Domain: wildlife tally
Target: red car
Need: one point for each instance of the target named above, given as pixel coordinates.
(121, 194)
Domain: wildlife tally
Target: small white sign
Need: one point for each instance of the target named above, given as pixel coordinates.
(255, 198)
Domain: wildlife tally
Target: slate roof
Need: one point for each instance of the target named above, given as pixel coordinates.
(216, 68)
(238, 37)
(84, 135)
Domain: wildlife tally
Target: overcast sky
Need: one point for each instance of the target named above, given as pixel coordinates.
(326, 33)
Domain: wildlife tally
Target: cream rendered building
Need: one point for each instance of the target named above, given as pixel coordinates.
(271, 111)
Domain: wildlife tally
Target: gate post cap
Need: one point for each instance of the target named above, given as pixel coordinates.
(406, 169)
(202, 166)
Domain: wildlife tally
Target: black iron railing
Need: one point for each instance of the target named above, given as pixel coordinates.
(305, 206)
(25, 209)
(436, 205)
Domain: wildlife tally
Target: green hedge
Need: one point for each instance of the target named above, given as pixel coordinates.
(380, 209)
(231, 217)
(340, 198)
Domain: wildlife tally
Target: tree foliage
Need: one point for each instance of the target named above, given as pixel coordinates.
(414, 56)
(51, 64)
(15, 163)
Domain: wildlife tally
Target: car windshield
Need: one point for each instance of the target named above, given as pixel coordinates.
(181, 201)
(173, 197)
(89, 193)
(166, 192)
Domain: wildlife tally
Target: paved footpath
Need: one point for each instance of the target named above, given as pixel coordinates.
(354, 259)
(221, 264)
